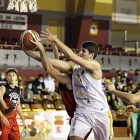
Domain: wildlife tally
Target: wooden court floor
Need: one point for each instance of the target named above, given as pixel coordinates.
(116, 138)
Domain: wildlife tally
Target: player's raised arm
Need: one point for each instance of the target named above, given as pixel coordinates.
(61, 65)
(55, 50)
(88, 63)
(61, 77)
(131, 98)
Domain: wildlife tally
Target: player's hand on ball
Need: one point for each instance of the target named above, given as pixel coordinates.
(24, 125)
(5, 121)
(27, 52)
(38, 41)
(110, 86)
(48, 36)
(131, 108)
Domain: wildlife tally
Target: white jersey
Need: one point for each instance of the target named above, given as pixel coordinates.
(88, 92)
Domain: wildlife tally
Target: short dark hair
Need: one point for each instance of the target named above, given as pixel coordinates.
(40, 75)
(91, 46)
(124, 72)
(122, 77)
(11, 70)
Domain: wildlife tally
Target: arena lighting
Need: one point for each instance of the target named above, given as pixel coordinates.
(23, 5)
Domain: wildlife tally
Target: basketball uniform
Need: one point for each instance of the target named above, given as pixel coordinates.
(92, 110)
(70, 104)
(10, 132)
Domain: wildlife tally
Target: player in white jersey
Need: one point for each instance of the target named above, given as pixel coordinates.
(92, 109)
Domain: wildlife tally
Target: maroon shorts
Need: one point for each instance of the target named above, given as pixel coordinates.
(10, 132)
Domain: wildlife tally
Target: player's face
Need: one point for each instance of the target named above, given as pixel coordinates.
(12, 78)
(84, 53)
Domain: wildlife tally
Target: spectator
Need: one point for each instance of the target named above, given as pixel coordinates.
(28, 93)
(118, 104)
(38, 85)
(49, 83)
(3, 80)
(136, 77)
(125, 74)
(119, 73)
(113, 80)
(122, 82)
(130, 87)
(103, 79)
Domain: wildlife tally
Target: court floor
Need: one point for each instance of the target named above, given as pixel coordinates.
(116, 138)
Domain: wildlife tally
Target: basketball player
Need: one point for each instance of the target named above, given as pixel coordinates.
(92, 109)
(10, 92)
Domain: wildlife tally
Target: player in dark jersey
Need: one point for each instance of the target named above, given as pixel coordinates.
(10, 92)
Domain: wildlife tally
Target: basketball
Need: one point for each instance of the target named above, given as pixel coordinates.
(25, 38)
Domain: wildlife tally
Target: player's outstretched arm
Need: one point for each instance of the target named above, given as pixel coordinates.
(88, 64)
(4, 109)
(132, 108)
(55, 50)
(131, 98)
(58, 64)
(19, 111)
(61, 77)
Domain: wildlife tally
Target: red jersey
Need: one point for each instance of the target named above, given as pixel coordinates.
(68, 99)
(12, 94)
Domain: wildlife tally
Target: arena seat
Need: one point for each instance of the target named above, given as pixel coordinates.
(59, 101)
(48, 106)
(46, 97)
(60, 106)
(36, 107)
(56, 97)
(25, 107)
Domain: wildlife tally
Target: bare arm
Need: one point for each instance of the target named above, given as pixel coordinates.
(19, 111)
(131, 98)
(58, 64)
(61, 77)
(55, 50)
(88, 64)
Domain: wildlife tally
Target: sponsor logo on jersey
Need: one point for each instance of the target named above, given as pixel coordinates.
(81, 94)
(73, 129)
(86, 87)
(82, 98)
(14, 97)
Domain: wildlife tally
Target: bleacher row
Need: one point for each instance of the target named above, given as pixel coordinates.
(44, 103)
(104, 49)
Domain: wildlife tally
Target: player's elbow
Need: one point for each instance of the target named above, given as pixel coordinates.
(132, 100)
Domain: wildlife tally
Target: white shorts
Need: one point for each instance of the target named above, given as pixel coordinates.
(101, 124)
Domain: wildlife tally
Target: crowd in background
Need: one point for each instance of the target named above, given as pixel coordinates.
(125, 84)
(48, 86)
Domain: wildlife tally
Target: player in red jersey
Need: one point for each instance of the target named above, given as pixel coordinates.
(10, 92)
